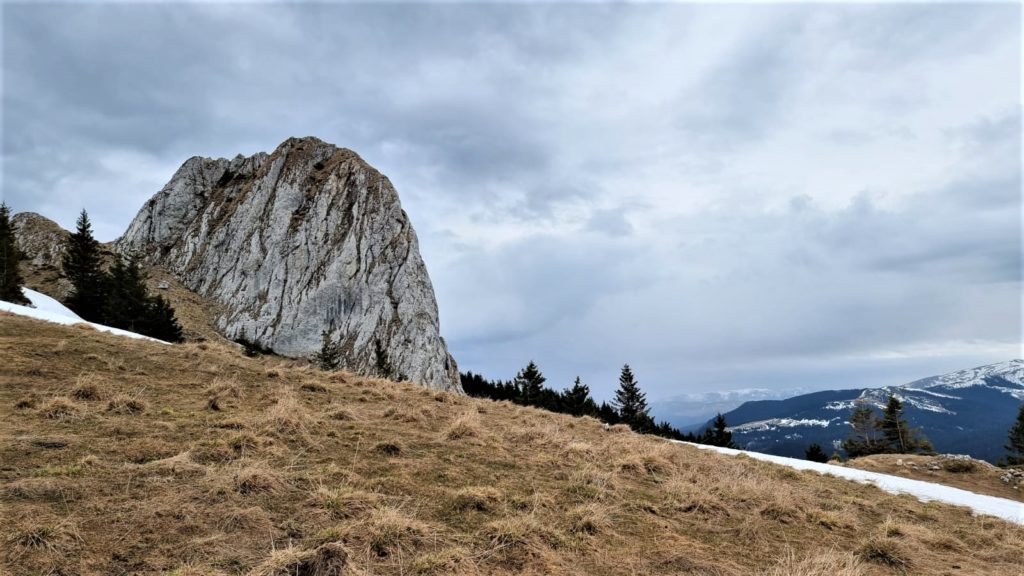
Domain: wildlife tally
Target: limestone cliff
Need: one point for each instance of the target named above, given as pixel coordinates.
(41, 240)
(305, 239)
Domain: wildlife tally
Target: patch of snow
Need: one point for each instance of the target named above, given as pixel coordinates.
(49, 310)
(931, 393)
(878, 397)
(1004, 508)
(841, 405)
(1011, 370)
(775, 423)
(44, 303)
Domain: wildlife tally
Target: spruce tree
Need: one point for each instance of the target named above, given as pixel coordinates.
(82, 266)
(864, 438)
(577, 400)
(127, 305)
(10, 258)
(1016, 440)
(898, 436)
(329, 356)
(718, 434)
(530, 384)
(159, 321)
(607, 414)
(814, 453)
(631, 402)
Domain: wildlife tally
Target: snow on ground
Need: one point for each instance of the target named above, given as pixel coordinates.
(49, 310)
(1010, 510)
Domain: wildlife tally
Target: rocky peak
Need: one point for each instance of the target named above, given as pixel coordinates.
(42, 241)
(305, 239)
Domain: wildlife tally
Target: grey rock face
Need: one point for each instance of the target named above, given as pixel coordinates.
(306, 239)
(42, 240)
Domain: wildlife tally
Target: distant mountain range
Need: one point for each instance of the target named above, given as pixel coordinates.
(689, 412)
(964, 412)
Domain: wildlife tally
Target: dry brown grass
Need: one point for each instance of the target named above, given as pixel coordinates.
(303, 472)
(972, 475)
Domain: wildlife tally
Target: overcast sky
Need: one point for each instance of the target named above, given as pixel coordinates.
(778, 196)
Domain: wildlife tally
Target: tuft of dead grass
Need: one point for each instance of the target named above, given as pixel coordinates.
(477, 499)
(59, 408)
(125, 405)
(465, 426)
(89, 387)
(329, 559)
(589, 519)
(257, 478)
(223, 394)
(389, 531)
(287, 418)
(389, 449)
(344, 501)
(827, 563)
(884, 550)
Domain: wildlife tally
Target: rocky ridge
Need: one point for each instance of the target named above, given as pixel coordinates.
(292, 243)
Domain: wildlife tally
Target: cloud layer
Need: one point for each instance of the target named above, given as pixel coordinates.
(725, 197)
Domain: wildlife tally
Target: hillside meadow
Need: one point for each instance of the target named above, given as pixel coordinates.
(131, 457)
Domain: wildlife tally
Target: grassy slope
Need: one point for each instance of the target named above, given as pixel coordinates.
(982, 477)
(195, 460)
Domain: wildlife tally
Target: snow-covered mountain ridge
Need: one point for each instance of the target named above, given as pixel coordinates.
(967, 411)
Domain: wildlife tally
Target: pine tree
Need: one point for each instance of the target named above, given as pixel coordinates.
(530, 384)
(607, 414)
(1016, 440)
(329, 356)
(814, 453)
(898, 436)
(127, 304)
(718, 434)
(82, 266)
(631, 402)
(864, 438)
(577, 400)
(10, 257)
(159, 321)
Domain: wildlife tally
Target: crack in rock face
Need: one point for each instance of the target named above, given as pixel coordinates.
(305, 239)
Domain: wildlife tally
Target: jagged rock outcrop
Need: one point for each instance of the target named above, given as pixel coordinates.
(305, 239)
(41, 240)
